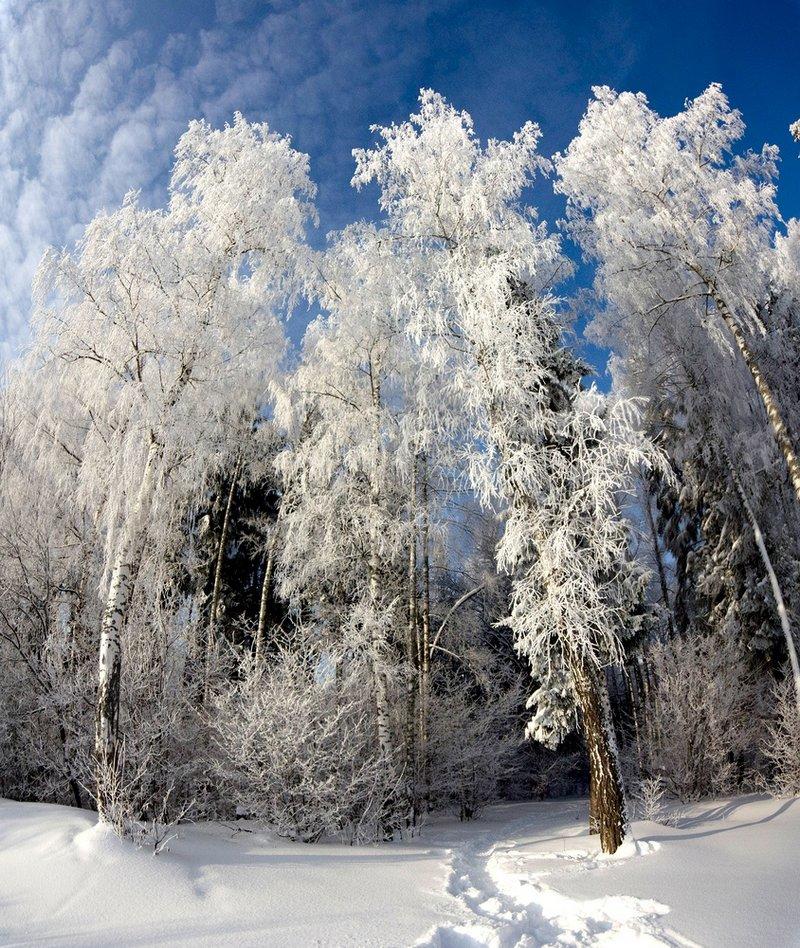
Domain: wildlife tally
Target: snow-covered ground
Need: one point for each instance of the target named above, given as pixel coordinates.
(526, 875)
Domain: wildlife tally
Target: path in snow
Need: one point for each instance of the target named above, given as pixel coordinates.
(525, 876)
(724, 877)
(507, 905)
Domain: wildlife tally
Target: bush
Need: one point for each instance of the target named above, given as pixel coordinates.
(294, 743)
(700, 727)
(781, 746)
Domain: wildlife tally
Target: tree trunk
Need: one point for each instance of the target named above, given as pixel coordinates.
(425, 665)
(106, 744)
(783, 614)
(662, 576)
(779, 429)
(266, 598)
(383, 720)
(594, 816)
(74, 786)
(381, 691)
(606, 795)
(413, 646)
(211, 638)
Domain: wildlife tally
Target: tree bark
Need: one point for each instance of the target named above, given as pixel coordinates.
(211, 637)
(266, 598)
(594, 816)
(425, 664)
(74, 786)
(606, 795)
(383, 721)
(779, 429)
(381, 692)
(106, 744)
(413, 645)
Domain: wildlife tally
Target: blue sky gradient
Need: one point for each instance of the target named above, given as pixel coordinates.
(94, 93)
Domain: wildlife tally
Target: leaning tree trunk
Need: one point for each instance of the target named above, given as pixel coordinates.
(779, 429)
(106, 743)
(607, 798)
(783, 614)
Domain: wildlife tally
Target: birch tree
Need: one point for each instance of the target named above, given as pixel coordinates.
(159, 324)
(696, 286)
(681, 228)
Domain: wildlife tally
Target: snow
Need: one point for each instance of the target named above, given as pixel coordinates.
(63, 880)
(525, 875)
(728, 872)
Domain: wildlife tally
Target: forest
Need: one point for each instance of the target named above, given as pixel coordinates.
(428, 557)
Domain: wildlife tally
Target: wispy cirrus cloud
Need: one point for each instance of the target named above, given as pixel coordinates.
(94, 93)
(93, 99)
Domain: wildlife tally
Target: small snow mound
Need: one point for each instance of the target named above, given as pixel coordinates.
(460, 936)
(632, 847)
(99, 840)
(492, 906)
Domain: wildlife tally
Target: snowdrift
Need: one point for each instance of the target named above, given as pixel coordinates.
(527, 874)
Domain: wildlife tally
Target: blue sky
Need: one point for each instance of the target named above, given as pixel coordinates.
(94, 93)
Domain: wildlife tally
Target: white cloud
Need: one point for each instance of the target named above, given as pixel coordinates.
(91, 105)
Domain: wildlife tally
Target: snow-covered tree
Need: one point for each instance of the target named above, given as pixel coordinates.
(325, 581)
(683, 234)
(369, 475)
(552, 452)
(681, 228)
(160, 326)
(701, 722)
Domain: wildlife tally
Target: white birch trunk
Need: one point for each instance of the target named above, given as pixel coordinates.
(783, 614)
(779, 429)
(425, 669)
(413, 644)
(383, 719)
(211, 638)
(381, 692)
(266, 598)
(121, 583)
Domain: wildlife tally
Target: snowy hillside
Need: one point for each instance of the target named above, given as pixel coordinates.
(526, 874)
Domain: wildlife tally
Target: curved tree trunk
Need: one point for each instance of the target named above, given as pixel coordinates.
(779, 429)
